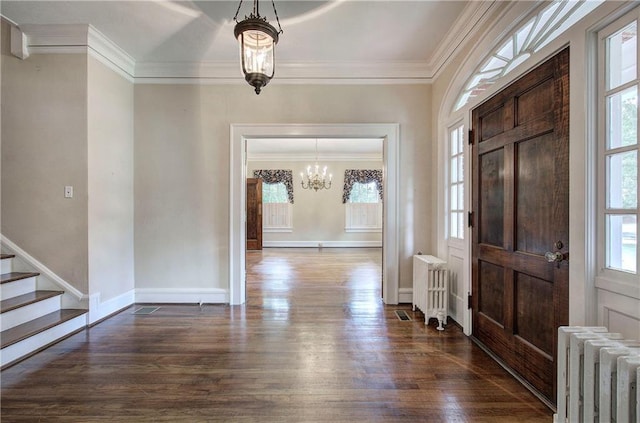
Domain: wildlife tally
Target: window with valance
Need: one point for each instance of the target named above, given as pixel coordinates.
(277, 176)
(362, 176)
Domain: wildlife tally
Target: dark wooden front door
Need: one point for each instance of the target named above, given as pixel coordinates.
(521, 203)
(254, 214)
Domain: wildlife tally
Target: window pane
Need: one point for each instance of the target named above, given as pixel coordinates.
(364, 193)
(622, 235)
(461, 169)
(454, 225)
(454, 170)
(460, 139)
(274, 193)
(623, 118)
(454, 197)
(461, 225)
(460, 197)
(454, 142)
(621, 56)
(622, 180)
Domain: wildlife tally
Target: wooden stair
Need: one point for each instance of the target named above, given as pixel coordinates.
(31, 319)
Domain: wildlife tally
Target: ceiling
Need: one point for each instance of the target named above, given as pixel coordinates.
(380, 38)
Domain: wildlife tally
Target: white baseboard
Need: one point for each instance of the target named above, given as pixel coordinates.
(321, 244)
(405, 295)
(182, 296)
(98, 310)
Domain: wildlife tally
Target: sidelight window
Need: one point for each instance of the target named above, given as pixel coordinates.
(619, 147)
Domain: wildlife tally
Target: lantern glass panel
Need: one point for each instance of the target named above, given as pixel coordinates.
(257, 48)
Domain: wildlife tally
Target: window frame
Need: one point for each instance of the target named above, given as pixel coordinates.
(354, 208)
(268, 208)
(619, 281)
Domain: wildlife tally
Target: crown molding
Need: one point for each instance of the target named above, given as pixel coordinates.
(287, 72)
(466, 27)
(75, 39)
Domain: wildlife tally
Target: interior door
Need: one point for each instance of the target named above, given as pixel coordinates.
(254, 214)
(520, 237)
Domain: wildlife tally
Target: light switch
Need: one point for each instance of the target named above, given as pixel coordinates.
(68, 191)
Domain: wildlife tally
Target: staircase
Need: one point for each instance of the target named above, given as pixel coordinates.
(31, 319)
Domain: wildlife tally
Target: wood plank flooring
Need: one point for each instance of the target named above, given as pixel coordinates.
(314, 343)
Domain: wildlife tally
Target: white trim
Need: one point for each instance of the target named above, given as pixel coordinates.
(99, 310)
(237, 212)
(363, 230)
(277, 230)
(322, 244)
(405, 295)
(41, 268)
(182, 295)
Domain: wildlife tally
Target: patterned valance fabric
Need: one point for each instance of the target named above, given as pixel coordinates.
(275, 176)
(363, 176)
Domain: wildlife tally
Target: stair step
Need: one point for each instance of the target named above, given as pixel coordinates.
(16, 276)
(33, 327)
(6, 264)
(26, 299)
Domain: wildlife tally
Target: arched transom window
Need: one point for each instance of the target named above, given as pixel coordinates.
(527, 39)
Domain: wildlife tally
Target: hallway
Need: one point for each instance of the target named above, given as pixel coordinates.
(313, 344)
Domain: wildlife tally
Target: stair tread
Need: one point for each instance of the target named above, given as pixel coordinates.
(33, 327)
(26, 299)
(6, 256)
(14, 276)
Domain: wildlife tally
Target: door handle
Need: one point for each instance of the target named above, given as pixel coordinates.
(557, 257)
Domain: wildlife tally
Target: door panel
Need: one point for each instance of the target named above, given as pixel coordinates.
(254, 214)
(520, 194)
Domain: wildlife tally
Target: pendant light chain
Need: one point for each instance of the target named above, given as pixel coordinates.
(235, 18)
(277, 18)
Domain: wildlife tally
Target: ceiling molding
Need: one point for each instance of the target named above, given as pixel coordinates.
(465, 27)
(77, 39)
(395, 72)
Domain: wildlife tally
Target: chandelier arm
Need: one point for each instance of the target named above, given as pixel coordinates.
(235, 18)
(277, 18)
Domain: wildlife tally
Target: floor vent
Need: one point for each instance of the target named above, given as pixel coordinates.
(402, 315)
(145, 310)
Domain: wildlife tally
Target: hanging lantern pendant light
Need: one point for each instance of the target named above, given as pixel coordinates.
(258, 39)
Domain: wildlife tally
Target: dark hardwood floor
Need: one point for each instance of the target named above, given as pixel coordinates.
(313, 344)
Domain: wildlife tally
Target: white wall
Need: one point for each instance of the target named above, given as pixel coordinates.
(318, 216)
(110, 182)
(44, 148)
(182, 167)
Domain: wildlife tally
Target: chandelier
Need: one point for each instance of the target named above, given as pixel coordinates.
(257, 40)
(316, 180)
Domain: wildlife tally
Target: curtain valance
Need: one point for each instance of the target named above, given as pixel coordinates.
(275, 176)
(363, 176)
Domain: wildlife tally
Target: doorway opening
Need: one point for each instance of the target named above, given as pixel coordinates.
(389, 133)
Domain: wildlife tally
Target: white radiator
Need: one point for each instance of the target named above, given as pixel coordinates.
(431, 288)
(597, 376)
